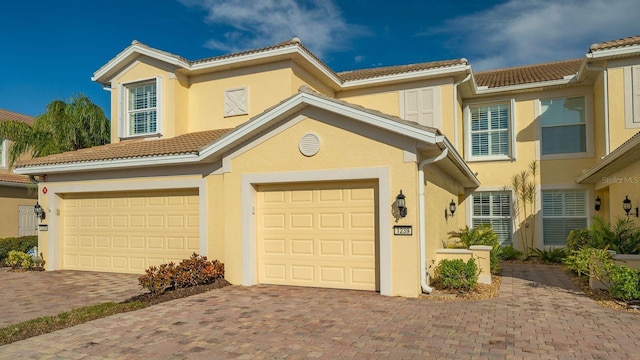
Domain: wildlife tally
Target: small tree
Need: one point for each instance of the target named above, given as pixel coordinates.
(524, 185)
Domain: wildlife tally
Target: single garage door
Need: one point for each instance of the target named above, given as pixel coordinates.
(128, 232)
(320, 235)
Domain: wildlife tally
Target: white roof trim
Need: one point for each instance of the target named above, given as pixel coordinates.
(623, 50)
(609, 159)
(483, 90)
(405, 76)
(142, 50)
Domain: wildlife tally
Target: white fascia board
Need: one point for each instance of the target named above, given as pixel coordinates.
(142, 51)
(406, 76)
(110, 165)
(627, 50)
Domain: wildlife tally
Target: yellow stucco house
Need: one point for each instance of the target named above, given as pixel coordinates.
(16, 199)
(292, 173)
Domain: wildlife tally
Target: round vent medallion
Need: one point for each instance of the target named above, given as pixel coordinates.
(309, 144)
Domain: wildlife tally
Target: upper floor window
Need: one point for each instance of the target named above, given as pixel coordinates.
(421, 105)
(562, 211)
(489, 131)
(563, 124)
(141, 111)
(632, 96)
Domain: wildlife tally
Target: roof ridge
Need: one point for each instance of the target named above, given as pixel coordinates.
(617, 43)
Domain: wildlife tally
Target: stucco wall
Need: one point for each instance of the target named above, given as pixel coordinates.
(10, 198)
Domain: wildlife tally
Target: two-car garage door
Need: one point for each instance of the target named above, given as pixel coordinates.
(320, 235)
(128, 232)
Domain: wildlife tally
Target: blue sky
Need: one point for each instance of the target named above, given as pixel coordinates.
(50, 49)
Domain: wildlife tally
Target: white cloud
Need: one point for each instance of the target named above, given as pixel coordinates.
(253, 24)
(532, 31)
(359, 58)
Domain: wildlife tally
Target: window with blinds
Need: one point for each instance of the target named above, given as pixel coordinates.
(494, 208)
(563, 125)
(142, 109)
(562, 211)
(489, 130)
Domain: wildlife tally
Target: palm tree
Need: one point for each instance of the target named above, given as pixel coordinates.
(65, 126)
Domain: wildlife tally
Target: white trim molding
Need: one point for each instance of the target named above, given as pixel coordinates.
(380, 174)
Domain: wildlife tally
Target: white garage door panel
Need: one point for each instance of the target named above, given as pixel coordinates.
(320, 235)
(129, 232)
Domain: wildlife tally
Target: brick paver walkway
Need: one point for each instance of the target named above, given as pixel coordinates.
(538, 315)
(28, 295)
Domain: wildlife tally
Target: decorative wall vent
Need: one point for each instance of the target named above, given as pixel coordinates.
(309, 144)
(236, 102)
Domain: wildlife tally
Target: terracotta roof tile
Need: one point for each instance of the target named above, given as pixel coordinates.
(528, 74)
(13, 178)
(12, 116)
(180, 145)
(400, 69)
(628, 41)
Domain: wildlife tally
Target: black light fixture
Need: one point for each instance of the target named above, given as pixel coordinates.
(626, 205)
(598, 203)
(401, 204)
(450, 211)
(39, 211)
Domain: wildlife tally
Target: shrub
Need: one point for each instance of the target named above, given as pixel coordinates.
(509, 252)
(22, 244)
(479, 235)
(577, 239)
(456, 274)
(19, 259)
(553, 255)
(622, 282)
(196, 270)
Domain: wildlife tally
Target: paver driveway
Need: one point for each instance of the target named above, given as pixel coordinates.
(539, 314)
(29, 295)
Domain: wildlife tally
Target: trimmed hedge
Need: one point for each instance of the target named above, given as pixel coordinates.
(22, 244)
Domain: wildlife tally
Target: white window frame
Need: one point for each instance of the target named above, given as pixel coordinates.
(632, 96)
(4, 155)
(512, 133)
(123, 121)
(511, 219)
(586, 216)
(588, 105)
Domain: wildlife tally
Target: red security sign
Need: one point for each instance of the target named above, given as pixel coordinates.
(44, 190)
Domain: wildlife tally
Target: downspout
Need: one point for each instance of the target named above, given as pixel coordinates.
(455, 109)
(423, 223)
(606, 106)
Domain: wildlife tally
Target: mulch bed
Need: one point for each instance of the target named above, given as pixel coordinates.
(152, 299)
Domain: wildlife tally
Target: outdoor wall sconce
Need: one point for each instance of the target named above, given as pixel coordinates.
(401, 204)
(39, 211)
(450, 211)
(626, 205)
(598, 203)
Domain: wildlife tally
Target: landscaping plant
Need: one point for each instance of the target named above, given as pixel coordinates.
(480, 235)
(23, 244)
(19, 260)
(553, 255)
(509, 252)
(524, 186)
(196, 270)
(456, 274)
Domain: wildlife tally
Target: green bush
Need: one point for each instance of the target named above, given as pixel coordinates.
(553, 255)
(479, 235)
(577, 239)
(456, 274)
(23, 244)
(623, 236)
(196, 270)
(509, 252)
(19, 259)
(622, 282)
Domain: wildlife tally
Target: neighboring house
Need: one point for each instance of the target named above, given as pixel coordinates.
(16, 199)
(291, 173)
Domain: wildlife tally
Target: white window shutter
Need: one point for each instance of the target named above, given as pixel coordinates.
(121, 110)
(411, 105)
(635, 73)
(426, 116)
